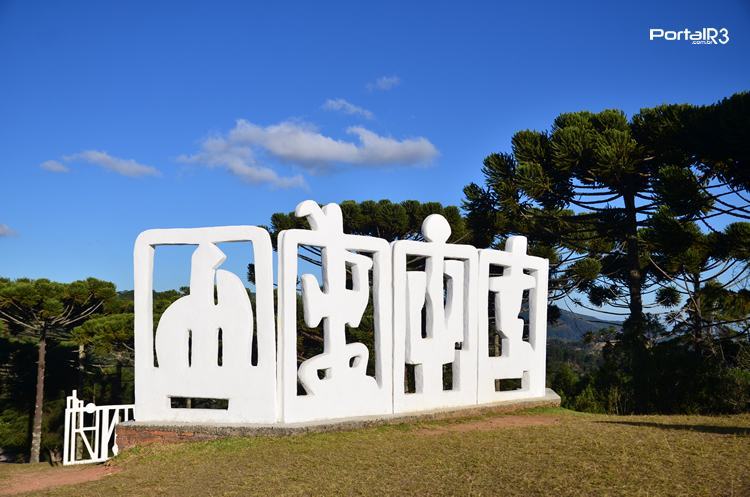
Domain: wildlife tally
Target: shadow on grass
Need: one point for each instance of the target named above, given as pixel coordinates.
(721, 430)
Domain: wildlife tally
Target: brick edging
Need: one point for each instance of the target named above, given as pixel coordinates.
(131, 434)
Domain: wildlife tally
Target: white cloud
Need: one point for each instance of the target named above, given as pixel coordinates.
(125, 167)
(54, 166)
(384, 83)
(303, 145)
(6, 231)
(347, 108)
(376, 149)
(238, 159)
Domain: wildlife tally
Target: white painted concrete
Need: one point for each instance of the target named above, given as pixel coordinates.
(335, 382)
(520, 358)
(250, 389)
(446, 291)
(450, 287)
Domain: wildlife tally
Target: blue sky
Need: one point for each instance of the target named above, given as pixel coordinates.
(116, 117)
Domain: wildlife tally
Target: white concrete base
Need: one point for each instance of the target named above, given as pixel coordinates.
(189, 431)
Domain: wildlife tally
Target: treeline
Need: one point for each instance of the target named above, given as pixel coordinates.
(55, 337)
(643, 219)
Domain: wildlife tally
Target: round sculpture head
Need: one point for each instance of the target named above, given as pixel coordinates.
(435, 228)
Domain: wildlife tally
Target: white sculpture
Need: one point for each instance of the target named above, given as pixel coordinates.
(336, 383)
(217, 313)
(432, 319)
(519, 358)
(446, 291)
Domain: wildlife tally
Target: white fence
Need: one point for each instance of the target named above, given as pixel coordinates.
(90, 430)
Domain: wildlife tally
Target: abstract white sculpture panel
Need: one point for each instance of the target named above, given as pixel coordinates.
(446, 293)
(216, 311)
(425, 317)
(519, 358)
(336, 383)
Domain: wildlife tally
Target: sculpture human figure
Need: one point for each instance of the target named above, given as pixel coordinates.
(439, 289)
(520, 358)
(336, 382)
(509, 289)
(344, 364)
(182, 359)
(444, 293)
(198, 318)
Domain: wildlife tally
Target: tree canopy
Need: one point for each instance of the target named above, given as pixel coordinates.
(635, 216)
(40, 310)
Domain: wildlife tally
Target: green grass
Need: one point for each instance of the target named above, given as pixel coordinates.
(580, 455)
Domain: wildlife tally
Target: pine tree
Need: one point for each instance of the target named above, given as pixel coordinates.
(40, 311)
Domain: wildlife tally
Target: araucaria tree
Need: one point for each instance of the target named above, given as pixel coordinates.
(41, 311)
(599, 194)
(108, 342)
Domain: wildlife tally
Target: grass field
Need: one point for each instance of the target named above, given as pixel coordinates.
(543, 452)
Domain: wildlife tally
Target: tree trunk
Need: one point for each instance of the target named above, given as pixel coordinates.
(36, 431)
(117, 385)
(697, 317)
(635, 276)
(81, 383)
(81, 369)
(634, 328)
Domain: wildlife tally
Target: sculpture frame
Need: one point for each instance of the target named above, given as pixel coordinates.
(251, 392)
(302, 408)
(428, 314)
(491, 368)
(464, 360)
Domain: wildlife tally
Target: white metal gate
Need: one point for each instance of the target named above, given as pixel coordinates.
(90, 430)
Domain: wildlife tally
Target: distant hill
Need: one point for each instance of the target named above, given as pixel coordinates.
(572, 326)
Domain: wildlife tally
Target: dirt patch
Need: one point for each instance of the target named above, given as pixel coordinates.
(490, 424)
(45, 478)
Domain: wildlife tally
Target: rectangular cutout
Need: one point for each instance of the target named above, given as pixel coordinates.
(190, 348)
(448, 376)
(410, 379)
(495, 344)
(254, 345)
(508, 384)
(198, 403)
(220, 357)
(525, 315)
